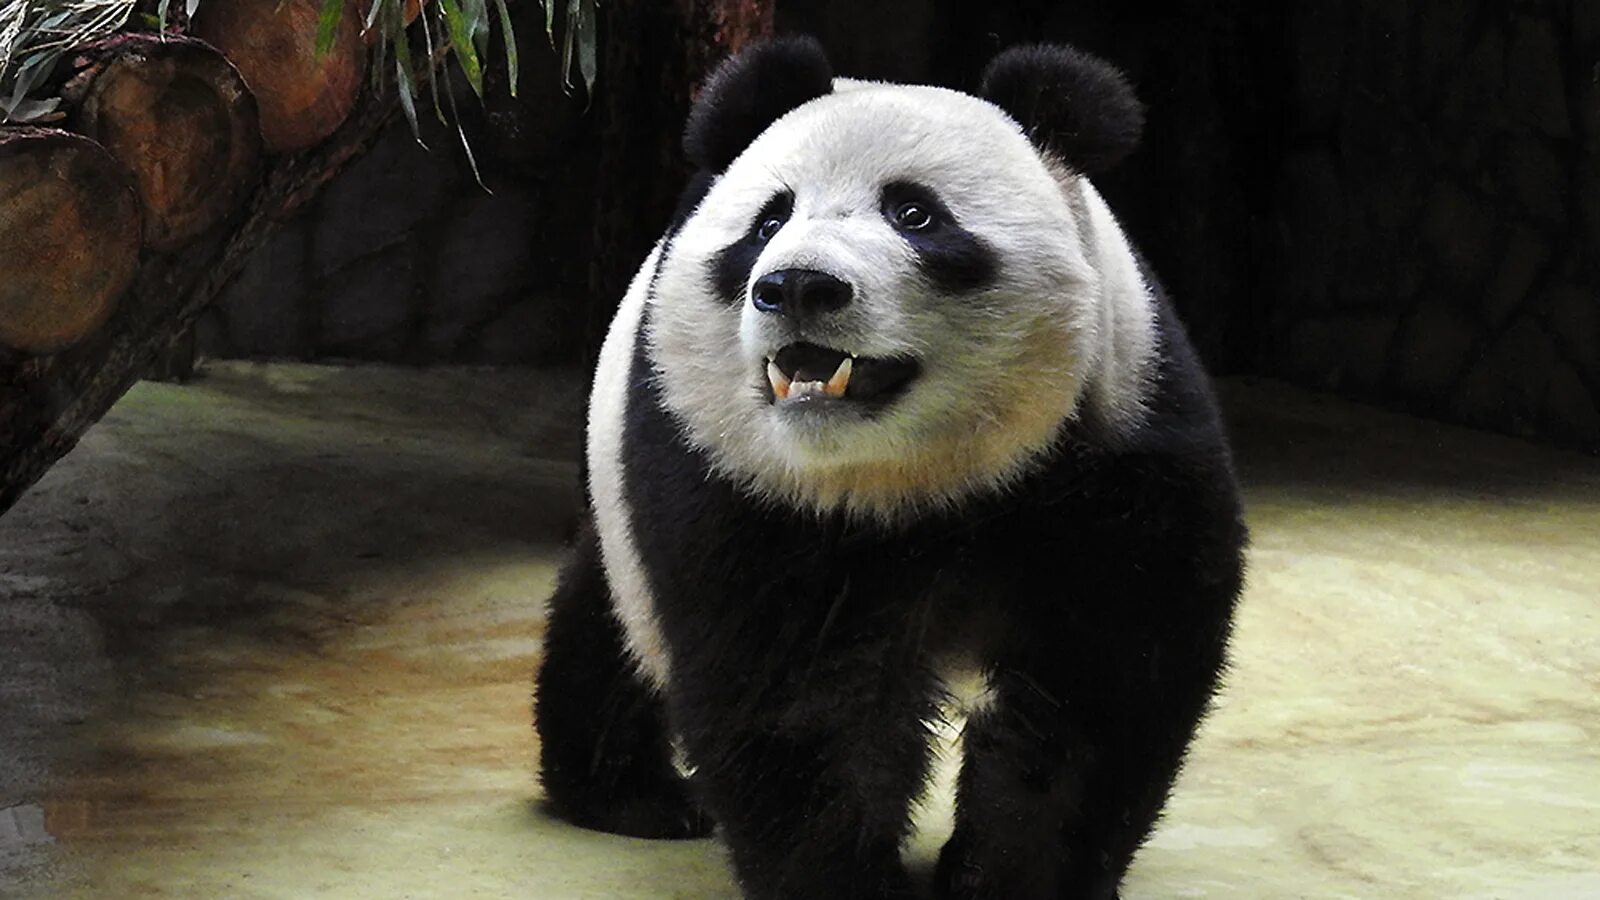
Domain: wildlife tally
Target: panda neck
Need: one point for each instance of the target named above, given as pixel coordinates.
(1120, 373)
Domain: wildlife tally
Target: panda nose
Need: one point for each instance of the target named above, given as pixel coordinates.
(799, 293)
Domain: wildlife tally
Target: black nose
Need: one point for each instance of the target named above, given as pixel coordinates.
(799, 292)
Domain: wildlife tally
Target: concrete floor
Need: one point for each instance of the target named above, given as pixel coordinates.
(271, 635)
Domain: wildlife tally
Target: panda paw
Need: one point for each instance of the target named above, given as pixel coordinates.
(958, 876)
(961, 875)
(667, 814)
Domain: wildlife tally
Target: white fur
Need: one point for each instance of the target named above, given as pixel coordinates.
(631, 600)
(1127, 352)
(1003, 368)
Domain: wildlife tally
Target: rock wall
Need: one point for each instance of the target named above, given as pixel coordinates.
(1396, 200)
(407, 257)
(403, 258)
(1439, 211)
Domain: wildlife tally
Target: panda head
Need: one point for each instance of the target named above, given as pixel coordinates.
(884, 301)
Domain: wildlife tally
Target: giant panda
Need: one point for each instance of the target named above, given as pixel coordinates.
(893, 400)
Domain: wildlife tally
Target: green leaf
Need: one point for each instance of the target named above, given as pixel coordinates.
(477, 16)
(328, 25)
(550, 20)
(190, 6)
(161, 13)
(460, 31)
(510, 38)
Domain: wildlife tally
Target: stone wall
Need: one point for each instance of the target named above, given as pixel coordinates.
(1439, 211)
(1396, 200)
(403, 258)
(407, 257)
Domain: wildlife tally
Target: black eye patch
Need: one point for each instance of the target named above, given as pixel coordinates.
(953, 258)
(730, 268)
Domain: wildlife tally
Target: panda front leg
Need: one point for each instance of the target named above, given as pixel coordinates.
(810, 770)
(1066, 771)
(605, 756)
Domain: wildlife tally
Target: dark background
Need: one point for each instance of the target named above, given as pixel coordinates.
(1395, 200)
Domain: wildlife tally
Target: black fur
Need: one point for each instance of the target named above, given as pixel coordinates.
(605, 756)
(953, 258)
(750, 91)
(1072, 104)
(730, 268)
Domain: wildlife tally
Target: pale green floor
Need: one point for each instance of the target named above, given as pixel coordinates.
(271, 635)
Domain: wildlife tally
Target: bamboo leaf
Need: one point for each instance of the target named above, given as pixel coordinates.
(466, 145)
(380, 59)
(190, 6)
(407, 87)
(509, 36)
(28, 110)
(587, 65)
(433, 82)
(567, 43)
(550, 21)
(372, 14)
(328, 24)
(161, 13)
(477, 15)
(460, 33)
(31, 73)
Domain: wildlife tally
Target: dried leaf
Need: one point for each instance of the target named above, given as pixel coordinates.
(433, 83)
(372, 16)
(466, 145)
(586, 37)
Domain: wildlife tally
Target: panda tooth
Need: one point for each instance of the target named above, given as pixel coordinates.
(841, 378)
(780, 382)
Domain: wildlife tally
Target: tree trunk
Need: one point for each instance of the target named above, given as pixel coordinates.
(654, 55)
(303, 95)
(180, 120)
(69, 238)
(47, 403)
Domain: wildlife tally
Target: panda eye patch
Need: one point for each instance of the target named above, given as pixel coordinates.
(951, 257)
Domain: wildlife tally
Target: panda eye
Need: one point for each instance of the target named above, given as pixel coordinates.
(768, 228)
(913, 216)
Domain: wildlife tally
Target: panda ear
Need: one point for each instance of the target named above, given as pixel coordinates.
(1071, 103)
(750, 91)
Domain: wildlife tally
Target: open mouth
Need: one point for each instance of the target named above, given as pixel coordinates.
(806, 373)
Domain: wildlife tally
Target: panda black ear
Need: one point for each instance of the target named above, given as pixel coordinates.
(750, 91)
(1070, 103)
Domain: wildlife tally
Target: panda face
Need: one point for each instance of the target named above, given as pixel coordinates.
(882, 305)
